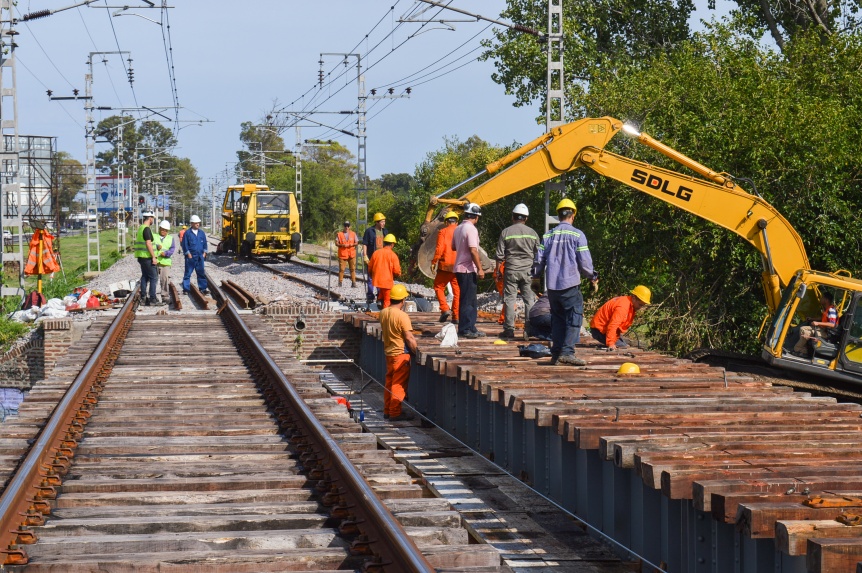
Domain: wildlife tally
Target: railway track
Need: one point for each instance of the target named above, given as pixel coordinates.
(183, 446)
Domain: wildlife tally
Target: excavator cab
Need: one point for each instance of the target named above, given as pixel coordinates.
(834, 353)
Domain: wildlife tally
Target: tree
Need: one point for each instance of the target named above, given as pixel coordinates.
(787, 18)
(71, 179)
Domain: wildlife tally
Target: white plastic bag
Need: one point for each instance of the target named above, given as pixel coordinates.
(56, 304)
(82, 300)
(448, 337)
(50, 312)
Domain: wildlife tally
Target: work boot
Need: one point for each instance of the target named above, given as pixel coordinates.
(507, 333)
(158, 303)
(353, 283)
(146, 302)
(571, 360)
(339, 284)
(445, 315)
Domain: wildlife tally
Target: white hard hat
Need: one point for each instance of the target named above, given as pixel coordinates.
(146, 214)
(195, 219)
(472, 209)
(165, 225)
(521, 209)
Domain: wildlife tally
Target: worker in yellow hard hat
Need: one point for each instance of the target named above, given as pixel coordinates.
(384, 266)
(371, 241)
(615, 317)
(566, 257)
(443, 265)
(398, 342)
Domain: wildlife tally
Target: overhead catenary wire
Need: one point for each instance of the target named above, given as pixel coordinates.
(119, 49)
(169, 56)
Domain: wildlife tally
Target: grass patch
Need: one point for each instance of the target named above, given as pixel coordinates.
(309, 257)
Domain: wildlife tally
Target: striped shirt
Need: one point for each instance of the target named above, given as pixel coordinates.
(566, 256)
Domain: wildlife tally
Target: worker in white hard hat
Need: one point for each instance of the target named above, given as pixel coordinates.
(468, 270)
(194, 246)
(166, 246)
(516, 249)
(146, 254)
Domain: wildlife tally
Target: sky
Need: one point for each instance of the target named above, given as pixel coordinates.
(233, 61)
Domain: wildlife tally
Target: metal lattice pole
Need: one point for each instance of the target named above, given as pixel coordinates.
(121, 200)
(362, 187)
(297, 155)
(555, 111)
(93, 250)
(10, 195)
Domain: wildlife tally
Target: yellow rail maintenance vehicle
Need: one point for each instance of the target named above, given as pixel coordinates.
(259, 221)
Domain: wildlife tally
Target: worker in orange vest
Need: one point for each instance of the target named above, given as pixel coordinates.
(443, 264)
(615, 317)
(384, 267)
(346, 242)
(398, 344)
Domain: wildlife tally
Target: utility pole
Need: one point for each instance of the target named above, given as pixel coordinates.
(121, 200)
(297, 155)
(10, 188)
(555, 107)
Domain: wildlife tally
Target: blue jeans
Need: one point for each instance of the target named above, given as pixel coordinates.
(149, 274)
(196, 264)
(540, 326)
(468, 307)
(567, 315)
(600, 338)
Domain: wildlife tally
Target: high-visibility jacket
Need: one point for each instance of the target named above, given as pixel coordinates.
(49, 262)
(164, 255)
(347, 245)
(141, 251)
(444, 255)
(614, 318)
(384, 267)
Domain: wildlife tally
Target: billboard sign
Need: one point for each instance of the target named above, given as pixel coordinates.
(110, 197)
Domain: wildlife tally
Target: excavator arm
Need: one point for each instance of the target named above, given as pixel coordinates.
(717, 199)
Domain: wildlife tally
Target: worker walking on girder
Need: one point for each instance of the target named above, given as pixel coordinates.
(517, 250)
(398, 343)
(565, 255)
(443, 265)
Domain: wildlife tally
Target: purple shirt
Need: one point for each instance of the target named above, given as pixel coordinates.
(465, 237)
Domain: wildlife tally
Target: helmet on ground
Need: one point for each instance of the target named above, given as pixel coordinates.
(567, 204)
(379, 217)
(390, 238)
(398, 292)
(194, 219)
(472, 210)
(521, 209)
(165, 225)
(451, 215)
(643, 293)
(146, 214)
(629, 368)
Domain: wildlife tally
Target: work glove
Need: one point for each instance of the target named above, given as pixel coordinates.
(595, 284)
(433, 267)
(365, 259)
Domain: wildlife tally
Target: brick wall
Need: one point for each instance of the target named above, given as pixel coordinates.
(58, 339)
(325, 336)
(24, 364)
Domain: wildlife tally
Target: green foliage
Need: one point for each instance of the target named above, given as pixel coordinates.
(309, 257)
(11, 331)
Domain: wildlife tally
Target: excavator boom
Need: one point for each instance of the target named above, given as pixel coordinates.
(717, 199)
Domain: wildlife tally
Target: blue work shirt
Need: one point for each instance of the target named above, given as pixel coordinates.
(195, 244)
(566, 256)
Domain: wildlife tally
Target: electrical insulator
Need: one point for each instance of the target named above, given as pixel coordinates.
(75, 92)
(50, 93)
(35, 15)
(409, 90)
(374, 92)
(391, 91)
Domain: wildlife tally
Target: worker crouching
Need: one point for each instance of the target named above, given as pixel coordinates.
(384, 266)
(398, 343)
(615, 317)
(443, 265)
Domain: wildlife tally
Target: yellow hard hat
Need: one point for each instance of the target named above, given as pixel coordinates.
(451, 215)
(629, 368)
(379, 217)
(184, 227)
(643, 293)
(567, 204)
(390, 238)
(500, 342)
(398, 292)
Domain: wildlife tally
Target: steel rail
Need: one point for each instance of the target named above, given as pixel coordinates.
(26, 498)
(288, 276)
(384, 535)
(239, 295)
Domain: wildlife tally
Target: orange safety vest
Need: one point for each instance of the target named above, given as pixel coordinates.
(49, 262)
(444, 254)
(384, 267)
(347, 245)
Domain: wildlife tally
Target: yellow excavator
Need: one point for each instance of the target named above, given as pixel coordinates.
(792, 289)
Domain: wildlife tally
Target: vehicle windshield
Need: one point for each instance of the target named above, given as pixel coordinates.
(273, 203)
